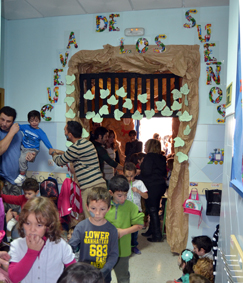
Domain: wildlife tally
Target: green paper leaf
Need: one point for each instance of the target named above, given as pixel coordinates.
(118, 114)
(89, 115)
(186, 101)
(104, 110)
(166, 111)
(181, 156)
(178, 142)
(70, 89)
(160, 104)
(70, 114)
(137, 115)
(143, 97)
(88, 95)
(176, 106)
(184, 89)
(185, 117)
(121, 92)
(187, 130)
(68, 143)
(70, 79)
(112, 100)
(176, 94)
(97, 118)
(69, 100)
(149, 113)
(85, 134)
(128, 104)
(104, 93)
(179, 113)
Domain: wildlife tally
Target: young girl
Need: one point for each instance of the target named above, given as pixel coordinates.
(41, 254)
(186, 261)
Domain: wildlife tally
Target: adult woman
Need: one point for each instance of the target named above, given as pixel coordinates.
(153, 174)
(112, 147)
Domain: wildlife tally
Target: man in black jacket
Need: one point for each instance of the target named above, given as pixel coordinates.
(134, 146)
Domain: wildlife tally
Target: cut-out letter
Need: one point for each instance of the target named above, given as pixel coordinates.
(190, 19)
(208, 34)
(112, 22)
(57, 76)
(159, 43)
(142, 45)
(72, 40)
(55, 97)
(101, 23)
(211, 75)
(122, 50)
(62, 60)
(207, 52)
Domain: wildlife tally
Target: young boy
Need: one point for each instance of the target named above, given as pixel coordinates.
(124, 215)
(137, 190)
(30, 188)
(95, 236)
(30, 143)
(202, 246)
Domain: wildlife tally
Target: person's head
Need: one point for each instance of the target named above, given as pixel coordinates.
(118, 188)
(186, 261)
(98, 203)
(202, 245)
(196, 278)
(153, 145)
(81, 272)
(129, 171)
(141, 156)
(7, 117)
(170, 163)
(156, 136)
(34, 118)
(30, 188)
(101, 135)
(70, 232)
(204, 267)
(73, 130)
(133, 135)
(111, 139)
(39, 216)
(134, 158)
(95, 125)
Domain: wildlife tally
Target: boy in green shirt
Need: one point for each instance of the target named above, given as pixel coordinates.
(124, 215)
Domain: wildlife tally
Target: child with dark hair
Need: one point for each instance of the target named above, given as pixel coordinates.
(81, 272)
(40, 254)
(97, 238)
(196, 278)
(30, 143)
(124, 215)
(202, 246)
(186, 261)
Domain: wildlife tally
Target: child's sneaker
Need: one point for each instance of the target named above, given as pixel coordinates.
(136, 251)
(20, 180)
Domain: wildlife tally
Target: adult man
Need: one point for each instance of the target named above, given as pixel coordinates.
(10, 142)
(84, 157)
(134, 146)
(101, 136)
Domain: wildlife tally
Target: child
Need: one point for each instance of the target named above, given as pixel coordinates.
(81, 272)
(196, 278)
(40, 254)
(204, 267)
(30, 188)
(69, 236)
(30, 143)
(137, 190)
(202, 246)
(96, 237)
(124, 215)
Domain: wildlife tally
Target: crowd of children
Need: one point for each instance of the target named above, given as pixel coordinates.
(108, 236)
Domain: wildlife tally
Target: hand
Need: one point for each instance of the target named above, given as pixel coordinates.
(135, 190)
(14, 128)
(9, 215)
(34, 242)
(30, 156)
(4, 258)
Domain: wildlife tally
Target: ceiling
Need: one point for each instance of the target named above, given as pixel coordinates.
(29, 9)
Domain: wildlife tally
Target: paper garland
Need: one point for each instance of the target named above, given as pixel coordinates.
(118, 114)
(70, 114)
(160, 104)
(176, 106)
(121, 92)
(69, 100)
(166, 111)
(128, 104)
(104, 110)
(178, 142)
(187, 130)
(70, 89)
(143, 97)
(89, 95)
(104, 93)
(185, 117)
(149, 113)
(85, 134)
(137, 115)
(70, 79)
(97, 118)
(112, 100)
(181, 157)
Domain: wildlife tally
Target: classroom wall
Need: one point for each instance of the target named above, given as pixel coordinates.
(232, 203)
(32, 47)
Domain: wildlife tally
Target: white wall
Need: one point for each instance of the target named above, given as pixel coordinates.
(31, 50)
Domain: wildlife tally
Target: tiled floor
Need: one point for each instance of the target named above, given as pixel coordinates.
(156, 264)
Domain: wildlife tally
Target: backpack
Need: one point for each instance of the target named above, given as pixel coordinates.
(49, 189)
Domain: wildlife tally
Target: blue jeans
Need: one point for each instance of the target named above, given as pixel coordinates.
(134, 241)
